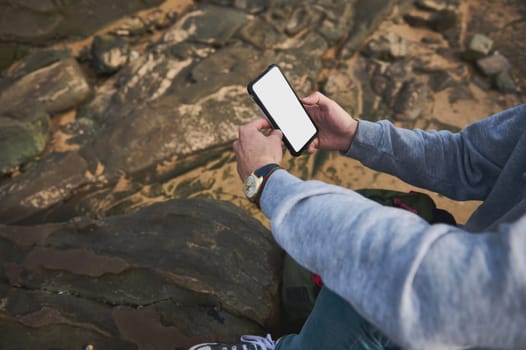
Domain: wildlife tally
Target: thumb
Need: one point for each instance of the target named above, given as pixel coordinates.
(277, 134)
(312, 99)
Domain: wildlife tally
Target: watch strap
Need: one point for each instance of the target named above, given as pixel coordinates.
(265, 172)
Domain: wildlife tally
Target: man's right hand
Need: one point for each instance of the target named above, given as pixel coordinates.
(336, 127)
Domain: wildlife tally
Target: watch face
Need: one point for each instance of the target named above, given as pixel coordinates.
(251, 186)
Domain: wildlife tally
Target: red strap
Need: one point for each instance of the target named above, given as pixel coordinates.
(317, 280)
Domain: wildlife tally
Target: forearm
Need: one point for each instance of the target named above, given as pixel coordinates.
(428, 278)
(463, 166)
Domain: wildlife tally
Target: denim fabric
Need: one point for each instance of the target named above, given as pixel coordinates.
(334, 324)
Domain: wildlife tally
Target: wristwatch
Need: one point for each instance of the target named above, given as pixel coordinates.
(256, 181)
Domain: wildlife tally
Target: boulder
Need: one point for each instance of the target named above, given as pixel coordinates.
(386, 47)
(42, 21)
(35, 60)
(54, 88)
(493, 65)
(45, 184)
(207, 24)
(479, 46)
(110, 53)
(504, 82)
(411, 100)
(166, 277)
(22, 137)
(366, 16)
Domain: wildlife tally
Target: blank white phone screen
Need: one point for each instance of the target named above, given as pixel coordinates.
(282, 104)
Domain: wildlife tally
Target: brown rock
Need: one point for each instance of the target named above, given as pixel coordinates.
(168, 276)
(55, 88)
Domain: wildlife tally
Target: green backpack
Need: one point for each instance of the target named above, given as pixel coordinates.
(299, 287)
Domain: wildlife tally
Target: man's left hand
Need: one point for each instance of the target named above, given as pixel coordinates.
(254, 149)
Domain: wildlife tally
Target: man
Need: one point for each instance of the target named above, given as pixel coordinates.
(390, 277)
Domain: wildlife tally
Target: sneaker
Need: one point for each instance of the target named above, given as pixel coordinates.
(247, 342)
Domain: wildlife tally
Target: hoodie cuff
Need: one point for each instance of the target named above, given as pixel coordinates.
(366, 138)
(275, 190)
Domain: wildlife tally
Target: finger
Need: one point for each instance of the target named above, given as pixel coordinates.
(259, 124)
(314, 98)
(276, 133)
(313, 145)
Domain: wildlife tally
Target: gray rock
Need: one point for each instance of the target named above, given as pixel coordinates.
(504, 82)
(44, 21)
(110, 53)
(411, 100)
(479, 47)
(207, 24)
(387, 47)
(366, 16)
(261, 34)
(338, 20)
(55, 88)
(251, 6)
(45, 184)
(22, 137)
(168, 276)
(493, 65)
(35, 60)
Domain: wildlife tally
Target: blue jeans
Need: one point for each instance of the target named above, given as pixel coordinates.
(335, 325)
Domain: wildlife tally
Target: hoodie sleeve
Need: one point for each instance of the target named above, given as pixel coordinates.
(425, 286)
(462, 166)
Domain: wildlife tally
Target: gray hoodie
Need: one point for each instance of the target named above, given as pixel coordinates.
(425, 286)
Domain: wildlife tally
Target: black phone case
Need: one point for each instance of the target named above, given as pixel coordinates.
(271, 120)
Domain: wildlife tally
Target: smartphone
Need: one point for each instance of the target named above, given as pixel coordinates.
(277, 99)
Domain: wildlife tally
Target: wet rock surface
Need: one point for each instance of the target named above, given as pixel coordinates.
(161, 278)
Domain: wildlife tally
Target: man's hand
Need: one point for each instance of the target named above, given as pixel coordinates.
(336, 127)
(253, 149)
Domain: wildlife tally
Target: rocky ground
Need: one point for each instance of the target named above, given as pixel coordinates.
(108, 109)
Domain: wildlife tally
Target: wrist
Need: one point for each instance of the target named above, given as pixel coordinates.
(349, 135)
(256, 181)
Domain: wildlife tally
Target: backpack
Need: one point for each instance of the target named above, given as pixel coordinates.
(300, 287)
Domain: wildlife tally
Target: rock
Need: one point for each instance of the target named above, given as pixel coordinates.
(440, 21)
(22, 138)
(493, 65)
(431, 5)
(386, 47)
(439, 80)
(443, 20)
(56, 88)
(35, 60)
(479, 47)
(411, 100)
(298, 21)
(505, 83)
(366, 16)
(342, 88)
(169, 276)
(133, 26)
(337, 21)
(45, 184)
(40, 22)
(207, 24)
(251, 6)
(110, 53)
(260, 34)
